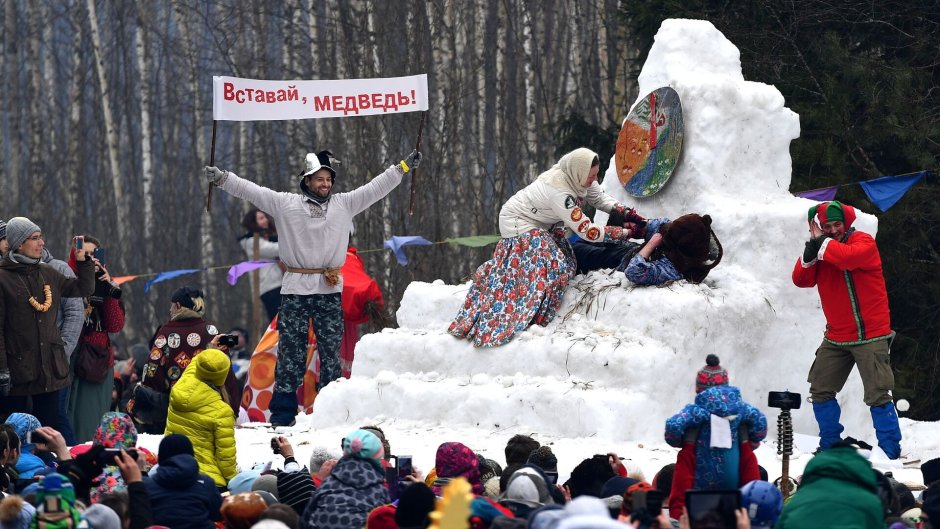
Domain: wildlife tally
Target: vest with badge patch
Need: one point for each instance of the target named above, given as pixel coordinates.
(172, 349)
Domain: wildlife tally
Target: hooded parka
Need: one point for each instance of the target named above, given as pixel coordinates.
(198, 412)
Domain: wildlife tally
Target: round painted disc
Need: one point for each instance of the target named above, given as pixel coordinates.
(649, 143)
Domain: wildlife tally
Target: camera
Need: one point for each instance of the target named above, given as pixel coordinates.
(784, 400)
(647, 504)
(34, 437)
(106, 456)
(103, 290)
(228, 340)
(274, 446)
(712, 509)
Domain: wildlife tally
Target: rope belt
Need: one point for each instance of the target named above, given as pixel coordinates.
(332, 275)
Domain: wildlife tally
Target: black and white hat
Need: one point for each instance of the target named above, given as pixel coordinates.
(321, 160)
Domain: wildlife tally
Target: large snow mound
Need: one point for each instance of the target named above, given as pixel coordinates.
(618, 359)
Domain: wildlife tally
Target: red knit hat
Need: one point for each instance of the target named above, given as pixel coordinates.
(710, 375)
(833, 210)
(382, 517)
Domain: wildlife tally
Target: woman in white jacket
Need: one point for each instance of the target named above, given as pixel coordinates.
(257, 221)
(524, 281)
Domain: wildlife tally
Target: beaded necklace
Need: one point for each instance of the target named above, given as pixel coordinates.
(47, 292)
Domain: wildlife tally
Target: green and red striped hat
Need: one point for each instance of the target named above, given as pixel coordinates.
(830, 211)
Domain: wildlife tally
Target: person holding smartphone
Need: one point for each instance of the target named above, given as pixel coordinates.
(93, 360)
(172, 348)
(845, 267)
(34, 365)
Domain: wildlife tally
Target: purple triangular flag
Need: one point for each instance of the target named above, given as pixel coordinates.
(244, 267)
(820, 195)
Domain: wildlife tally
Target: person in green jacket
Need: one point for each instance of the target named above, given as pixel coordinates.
(839, 490)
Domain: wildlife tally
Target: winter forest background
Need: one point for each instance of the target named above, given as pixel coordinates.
(107, 113)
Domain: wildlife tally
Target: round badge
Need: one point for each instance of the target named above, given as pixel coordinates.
(212, 330)
(155, 354)
(193, 339)
(173, 340)
(593, 233)
(583, 226)
(173, 373)
(159, 342)
(576, 214)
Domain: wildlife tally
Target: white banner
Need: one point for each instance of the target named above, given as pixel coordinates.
(236, 99)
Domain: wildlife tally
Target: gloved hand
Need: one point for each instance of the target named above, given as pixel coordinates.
(6, 383)
(811, 251)
(632, 216)
(411, 162)
(215, 175)
(637, 231)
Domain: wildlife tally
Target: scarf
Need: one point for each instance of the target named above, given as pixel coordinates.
(571, 172)
(185, 314)
(22, 259)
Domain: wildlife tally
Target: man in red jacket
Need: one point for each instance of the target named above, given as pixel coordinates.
(846, 267)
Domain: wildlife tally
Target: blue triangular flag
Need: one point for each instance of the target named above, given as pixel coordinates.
(163, 276)
(397, 244)
(885, 191)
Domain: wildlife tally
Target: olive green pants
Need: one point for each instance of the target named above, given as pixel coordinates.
(834, 363)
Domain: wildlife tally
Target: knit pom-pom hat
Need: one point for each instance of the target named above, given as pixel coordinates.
(710, 375)
(363, 444)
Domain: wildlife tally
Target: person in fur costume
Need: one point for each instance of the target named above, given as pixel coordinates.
(717, 435)
(684, 248)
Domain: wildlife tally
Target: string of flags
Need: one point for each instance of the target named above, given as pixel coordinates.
(883, 191)
(396, 244)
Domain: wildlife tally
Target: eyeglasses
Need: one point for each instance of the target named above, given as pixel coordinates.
(35, 238)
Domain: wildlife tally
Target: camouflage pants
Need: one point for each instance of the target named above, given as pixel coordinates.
(326, 311)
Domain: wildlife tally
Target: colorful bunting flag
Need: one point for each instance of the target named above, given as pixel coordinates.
(475, 241)
(244, 267)
(820, 195)
(163, 276)
(884, 192)
(397, 244)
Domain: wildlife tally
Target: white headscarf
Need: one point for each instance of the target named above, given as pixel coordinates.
(571, 172)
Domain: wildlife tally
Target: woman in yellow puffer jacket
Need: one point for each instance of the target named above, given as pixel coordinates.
(198, 411)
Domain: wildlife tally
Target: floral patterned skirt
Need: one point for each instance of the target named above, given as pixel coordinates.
(522, 284)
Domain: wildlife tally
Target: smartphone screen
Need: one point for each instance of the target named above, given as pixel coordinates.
(712, 509)
(404, 466)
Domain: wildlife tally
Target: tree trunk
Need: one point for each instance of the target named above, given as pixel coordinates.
(111, 138)
(77, 84)
(146, 156)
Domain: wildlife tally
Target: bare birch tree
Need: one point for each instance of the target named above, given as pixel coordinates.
(111, 133)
